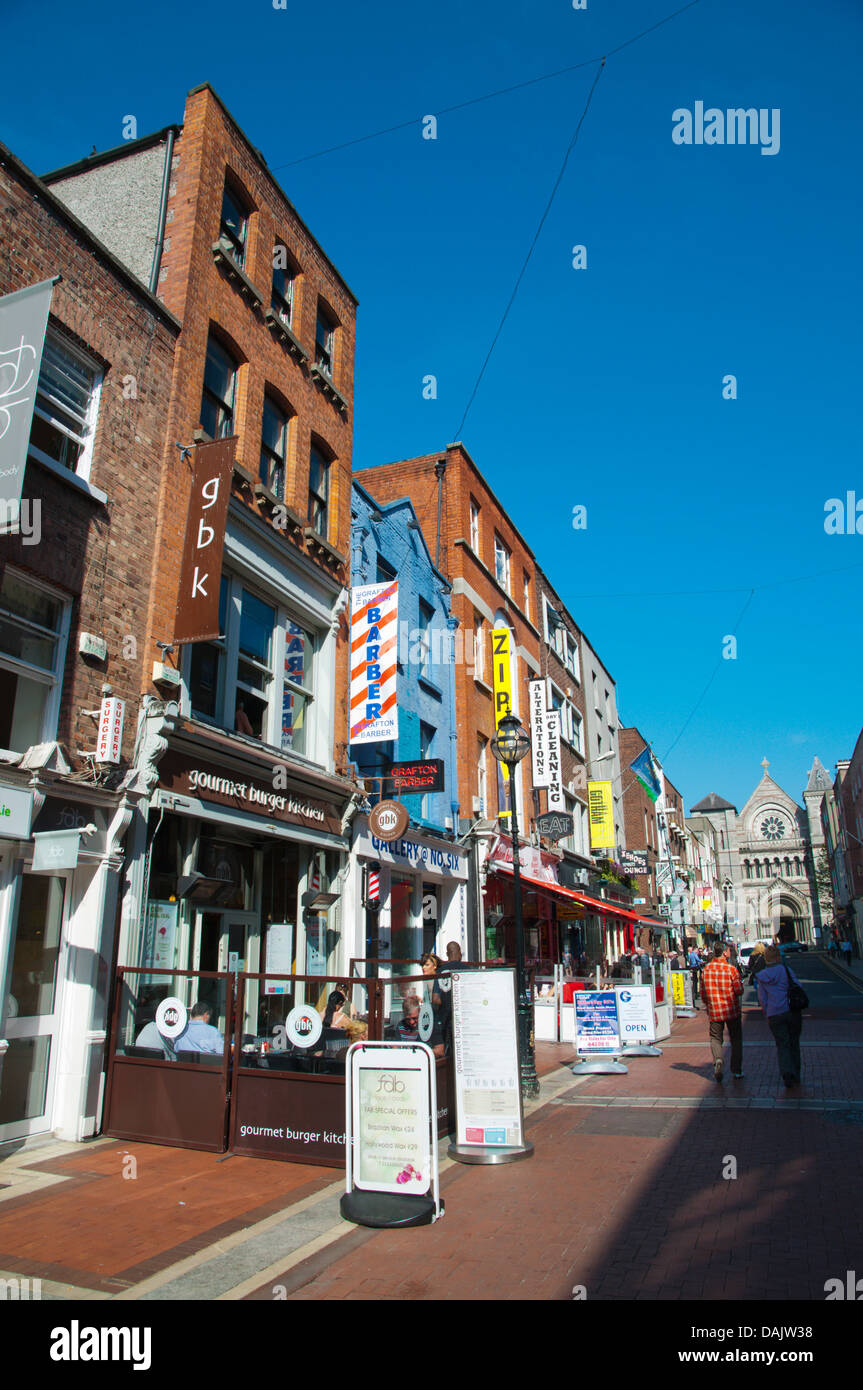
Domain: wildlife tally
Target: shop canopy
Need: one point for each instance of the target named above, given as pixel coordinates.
(556, 890)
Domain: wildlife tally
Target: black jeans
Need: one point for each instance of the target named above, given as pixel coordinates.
(786, 1030)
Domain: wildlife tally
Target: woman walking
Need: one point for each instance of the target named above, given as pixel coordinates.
(776, 984)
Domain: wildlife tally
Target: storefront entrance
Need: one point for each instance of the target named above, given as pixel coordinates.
(224, 941)
(31, 1006)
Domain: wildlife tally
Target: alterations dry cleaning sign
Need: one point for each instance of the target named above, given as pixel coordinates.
(374, 636)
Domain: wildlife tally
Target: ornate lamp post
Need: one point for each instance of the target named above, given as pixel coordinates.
(509, 746)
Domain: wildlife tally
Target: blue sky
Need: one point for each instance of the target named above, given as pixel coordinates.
(605, 388)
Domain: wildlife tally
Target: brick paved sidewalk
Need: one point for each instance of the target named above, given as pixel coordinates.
(625, 1195)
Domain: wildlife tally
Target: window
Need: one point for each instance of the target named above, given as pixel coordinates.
(274, 448)
(284, 275)
(426, 618)
(481, 775)
(67, 402)
(319, 491)
(325, 333)
(385, 571)
(501, 563)
(217, 402)
(257, 678)
(474, 526)
(478, 647)
(526, 609)
(33, 627)
(234, 225)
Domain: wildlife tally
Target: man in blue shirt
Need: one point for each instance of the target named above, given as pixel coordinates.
(200, 1035)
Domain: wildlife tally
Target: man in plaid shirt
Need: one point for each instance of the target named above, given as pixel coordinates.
(722, 988)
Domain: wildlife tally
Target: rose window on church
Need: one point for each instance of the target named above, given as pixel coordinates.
(772, 828)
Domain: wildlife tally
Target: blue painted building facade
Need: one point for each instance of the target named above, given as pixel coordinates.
(387, 544)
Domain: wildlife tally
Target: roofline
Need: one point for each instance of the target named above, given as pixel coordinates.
(401, 502)
(208, 87)
(93, 161)
(59, 208)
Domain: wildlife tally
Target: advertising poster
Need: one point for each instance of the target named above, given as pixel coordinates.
(596, 1025)
(681, 989)
(161, 935)
(393, 1125)
(601, 815)
(488, 1098)
(635, 1014)
(374, 643)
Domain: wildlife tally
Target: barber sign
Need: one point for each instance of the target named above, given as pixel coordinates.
(374, 639)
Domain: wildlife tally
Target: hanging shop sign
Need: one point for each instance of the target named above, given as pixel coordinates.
(389, 820)
(601, 813)
(55, 849)
(556, 799)
(109, 739)
(633, 861)
(536, 863)
(635, 1013)
(16, 813)
(485, 1044)
(538, 701)
(502, 681)
(23, 320)
(59, 814)
(197, 618)
(555, 825)
(374, 645)
(596, 1026)
(425, 776)
(179, 775)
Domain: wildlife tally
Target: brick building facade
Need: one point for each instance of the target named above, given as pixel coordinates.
(77, 576)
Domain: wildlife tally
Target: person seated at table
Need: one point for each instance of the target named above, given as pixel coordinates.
(409, 1025)
(453, 952)
(340, 1014)
(199, 1034)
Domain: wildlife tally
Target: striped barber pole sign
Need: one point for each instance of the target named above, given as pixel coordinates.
(374, 648)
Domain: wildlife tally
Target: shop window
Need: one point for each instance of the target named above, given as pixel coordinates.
(67, 403)
(257, 679)
(220, 384)
(34, 623)
(284, 284)
(325, 335)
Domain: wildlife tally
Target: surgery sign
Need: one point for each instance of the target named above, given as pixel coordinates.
(374, 637)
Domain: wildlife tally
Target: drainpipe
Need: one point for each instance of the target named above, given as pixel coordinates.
(439, 470)
(163, 209)
(452, 623)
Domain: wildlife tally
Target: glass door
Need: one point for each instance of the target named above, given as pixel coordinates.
(229, 941)
(31, 1007)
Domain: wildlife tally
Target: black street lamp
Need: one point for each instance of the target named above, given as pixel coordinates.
(509, 746)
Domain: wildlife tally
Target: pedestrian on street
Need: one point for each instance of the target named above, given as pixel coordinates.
(694, 967)
(722, 987)
(846, 952)
(774, 989)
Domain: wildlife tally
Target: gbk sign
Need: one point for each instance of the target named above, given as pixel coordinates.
(197, 617)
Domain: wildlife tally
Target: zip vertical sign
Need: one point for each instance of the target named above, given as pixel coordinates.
(374, 638)
(197, 617)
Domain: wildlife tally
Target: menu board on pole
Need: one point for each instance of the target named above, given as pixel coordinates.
(487, 1089)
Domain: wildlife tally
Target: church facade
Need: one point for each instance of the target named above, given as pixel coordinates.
(767, 856)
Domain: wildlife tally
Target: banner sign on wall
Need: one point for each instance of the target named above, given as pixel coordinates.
(374, 643)
(538, 698)
(556, 801)
(197, 618)
(487, 1089)
(109, 739)
(23, 320)
(426, 776)
(601, 815)
(633, 861)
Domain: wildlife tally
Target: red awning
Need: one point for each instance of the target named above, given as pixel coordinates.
(556, 890)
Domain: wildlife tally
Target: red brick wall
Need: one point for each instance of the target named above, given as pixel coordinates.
(99, 555)
(415, 478)
(199, 293)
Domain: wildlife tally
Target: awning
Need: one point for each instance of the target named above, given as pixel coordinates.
(556, 890)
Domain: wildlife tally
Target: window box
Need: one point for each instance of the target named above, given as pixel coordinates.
(224, 258)
(286, 336)
(324, 381)
(319, 543)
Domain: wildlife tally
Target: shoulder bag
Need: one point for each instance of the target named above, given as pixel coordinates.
(798, 999)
